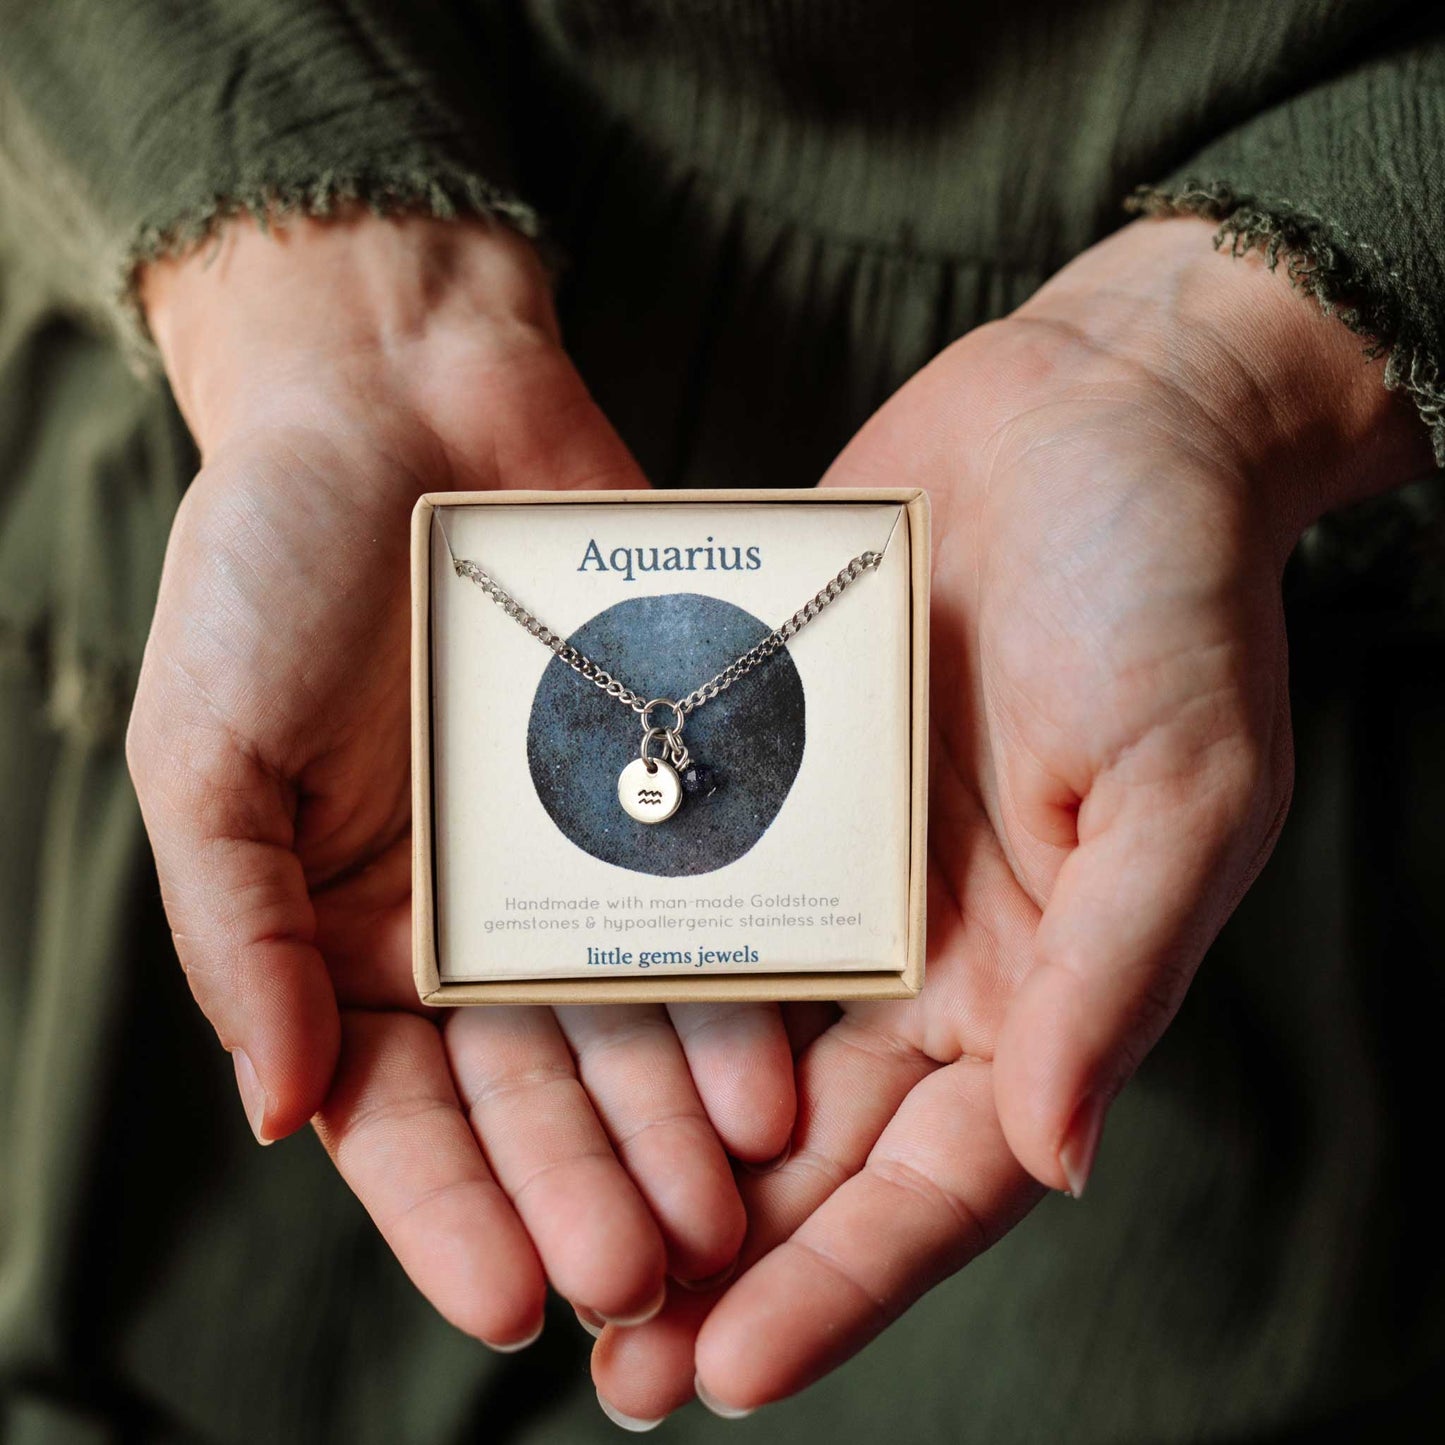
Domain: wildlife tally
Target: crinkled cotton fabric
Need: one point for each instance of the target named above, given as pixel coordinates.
(765, 215)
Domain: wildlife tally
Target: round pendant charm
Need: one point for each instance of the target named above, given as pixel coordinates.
(649, 790)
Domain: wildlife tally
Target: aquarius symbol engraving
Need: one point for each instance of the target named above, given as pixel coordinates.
(649, 790)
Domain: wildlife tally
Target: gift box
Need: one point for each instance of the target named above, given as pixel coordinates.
(669, 745)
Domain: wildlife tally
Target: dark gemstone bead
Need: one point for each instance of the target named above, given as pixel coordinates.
(700, 780)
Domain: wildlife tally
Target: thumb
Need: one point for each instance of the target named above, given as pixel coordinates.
(1159, 866)
(240, 912)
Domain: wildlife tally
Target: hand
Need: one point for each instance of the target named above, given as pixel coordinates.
(331, 373)
(1118, 473)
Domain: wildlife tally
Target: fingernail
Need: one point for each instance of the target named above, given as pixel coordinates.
(642, 1316)
(253, 1097)
(516, 1345)
(701, 1286)
(711, 1402)
(768, 1165)
(1076, 1158)
(590, 1321)
(628, 1422)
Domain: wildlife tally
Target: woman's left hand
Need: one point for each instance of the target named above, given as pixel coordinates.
(1118, 473)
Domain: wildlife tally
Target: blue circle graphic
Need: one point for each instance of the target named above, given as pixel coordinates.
(751, 736)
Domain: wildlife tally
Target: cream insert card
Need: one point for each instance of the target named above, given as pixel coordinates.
(822, 886)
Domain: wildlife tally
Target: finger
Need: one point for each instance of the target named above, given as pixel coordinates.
(240, 914)
(633, 1069)
(940, 1186)
(742, 1064)
(850, 1083)
(595, 1234)
(395, 1128)
(1159, 867)
(645, 1373)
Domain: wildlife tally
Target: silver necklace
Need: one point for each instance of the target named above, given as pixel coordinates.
(649, 788)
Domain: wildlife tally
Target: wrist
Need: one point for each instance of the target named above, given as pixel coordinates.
(258, 319)
(1282, 392)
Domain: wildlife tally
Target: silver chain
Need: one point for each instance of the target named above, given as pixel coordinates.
(583, 665)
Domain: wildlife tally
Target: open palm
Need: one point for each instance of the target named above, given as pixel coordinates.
(1111, 763)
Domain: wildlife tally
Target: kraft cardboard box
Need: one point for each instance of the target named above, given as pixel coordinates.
(795, 868)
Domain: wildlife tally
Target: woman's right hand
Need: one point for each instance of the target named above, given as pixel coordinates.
(331, 372)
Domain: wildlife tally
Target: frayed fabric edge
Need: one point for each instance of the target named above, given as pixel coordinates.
(1317, 265)
(440, 192)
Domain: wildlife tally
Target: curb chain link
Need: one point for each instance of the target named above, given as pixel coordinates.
(740, 666)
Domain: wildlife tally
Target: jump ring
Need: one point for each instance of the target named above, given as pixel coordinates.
(678, 714)
(647, 738)
(677, 749)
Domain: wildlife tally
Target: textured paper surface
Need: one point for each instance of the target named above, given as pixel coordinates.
(517, 899)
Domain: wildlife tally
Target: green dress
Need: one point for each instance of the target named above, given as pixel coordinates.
(769, 214)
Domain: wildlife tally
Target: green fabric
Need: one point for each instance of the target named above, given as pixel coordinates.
(772, 213)
(132, 127)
